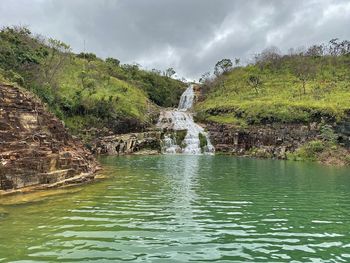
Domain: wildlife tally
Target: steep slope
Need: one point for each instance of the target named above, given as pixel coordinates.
(264, 94)
(284, 106)
(92, 96)
(36, 149)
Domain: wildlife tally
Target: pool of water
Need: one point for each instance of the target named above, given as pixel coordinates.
(184, 209)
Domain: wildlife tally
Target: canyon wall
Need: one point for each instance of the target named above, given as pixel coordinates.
(270, 140)
(35, 148)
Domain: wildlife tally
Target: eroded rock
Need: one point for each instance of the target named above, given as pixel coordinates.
(270, 141)
(35, 148)
(131, 143)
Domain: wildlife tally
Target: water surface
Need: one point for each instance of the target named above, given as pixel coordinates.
(185, 209)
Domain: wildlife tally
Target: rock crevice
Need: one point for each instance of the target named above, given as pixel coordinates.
(272, 141)
(35, 147)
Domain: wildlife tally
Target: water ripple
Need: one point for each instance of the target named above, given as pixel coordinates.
(188, 208)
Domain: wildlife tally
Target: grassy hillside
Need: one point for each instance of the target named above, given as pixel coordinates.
(82, 89)
(296, 88)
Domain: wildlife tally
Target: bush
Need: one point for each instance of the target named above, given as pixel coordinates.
(113, 61)
(180, 136)
(88, 56)
(309, 151)
(203, 142)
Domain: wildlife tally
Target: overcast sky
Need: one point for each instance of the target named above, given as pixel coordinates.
(188, 35)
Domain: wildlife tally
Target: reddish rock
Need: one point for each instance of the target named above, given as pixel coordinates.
(35, 147)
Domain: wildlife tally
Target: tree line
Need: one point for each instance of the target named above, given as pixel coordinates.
(303, 63)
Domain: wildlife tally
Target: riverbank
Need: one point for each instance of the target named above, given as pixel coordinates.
(299, 142)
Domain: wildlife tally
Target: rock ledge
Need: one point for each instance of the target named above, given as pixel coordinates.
(35, 147)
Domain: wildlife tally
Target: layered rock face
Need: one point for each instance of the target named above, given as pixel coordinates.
(131, 143)
(35, 148)
(273, 140)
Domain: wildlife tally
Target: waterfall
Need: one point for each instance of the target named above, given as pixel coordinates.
(181, 133)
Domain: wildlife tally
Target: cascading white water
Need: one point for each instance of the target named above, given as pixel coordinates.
(186, 100)
(180, 120)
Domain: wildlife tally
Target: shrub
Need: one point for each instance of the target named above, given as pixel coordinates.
(309, 151)
(203, 142)
(113, 61)
(88, 56)
(180, 136)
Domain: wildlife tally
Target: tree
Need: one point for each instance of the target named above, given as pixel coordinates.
(255, 82)
(113, 61)
(269, 57)
(131, 69)
(156, 71)
(315, 51)
(205, 77)
(223, 66)
(170, 72)
(304, 70)
(88, 56)
(237, 61)
(58, 55)
(337, 48)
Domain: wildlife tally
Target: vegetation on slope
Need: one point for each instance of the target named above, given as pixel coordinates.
(324, 149)
(82, 89)
(296, 88)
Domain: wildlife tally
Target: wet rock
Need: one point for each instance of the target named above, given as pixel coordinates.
(131, 143)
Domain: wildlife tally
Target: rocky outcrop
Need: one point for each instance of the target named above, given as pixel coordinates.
(35, 148)
(271, 140)
(131, 143)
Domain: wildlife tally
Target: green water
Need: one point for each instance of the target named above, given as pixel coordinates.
(184, 209)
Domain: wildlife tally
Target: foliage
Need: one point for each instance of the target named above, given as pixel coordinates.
(309, 151)
(88, 56)
(222, 66)
(113, 62)
(327, 133)
(203, 142)
(227, 119)
(170, 72)
(180, 136)
(323, 151)
(299, 87)
(83, 90)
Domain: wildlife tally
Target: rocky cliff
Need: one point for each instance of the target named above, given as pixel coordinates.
(131, 143)
(269, 141)
(35, 148)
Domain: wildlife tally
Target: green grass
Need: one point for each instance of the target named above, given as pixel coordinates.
(128, 100)
(226, 118)
(280, 98)
(83, 90)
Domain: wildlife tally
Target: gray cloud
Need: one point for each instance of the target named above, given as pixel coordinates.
(189, 35)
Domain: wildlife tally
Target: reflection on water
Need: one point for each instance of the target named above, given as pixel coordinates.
(186, 208)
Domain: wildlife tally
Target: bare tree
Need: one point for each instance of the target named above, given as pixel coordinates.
(255, 82)
(237, 61)
(58, 54)
(304, 70)
(270, 57)
(205, 77)
(315, 51)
